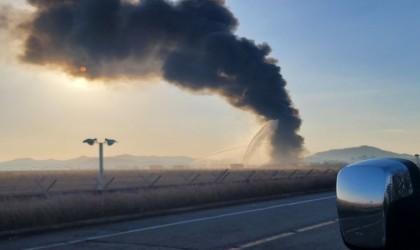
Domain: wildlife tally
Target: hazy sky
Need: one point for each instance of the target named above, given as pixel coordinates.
(351, 68)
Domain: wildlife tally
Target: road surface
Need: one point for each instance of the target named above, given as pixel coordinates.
(303, 222)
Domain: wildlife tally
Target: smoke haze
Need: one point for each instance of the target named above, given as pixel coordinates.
(190, 44)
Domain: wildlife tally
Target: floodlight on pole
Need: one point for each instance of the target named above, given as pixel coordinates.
(101, 157)
(90, 141)
(110, 141)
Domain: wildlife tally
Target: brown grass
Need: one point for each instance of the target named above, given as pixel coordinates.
(24, 182)
(54, 209)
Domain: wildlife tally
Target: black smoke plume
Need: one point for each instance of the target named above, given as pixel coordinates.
(189, 43)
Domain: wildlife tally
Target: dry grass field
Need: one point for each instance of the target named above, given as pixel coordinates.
(31, 199)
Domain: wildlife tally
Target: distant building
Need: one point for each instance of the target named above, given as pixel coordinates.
(281, 166)
(237, 166)
(180, 167)
(156, 167)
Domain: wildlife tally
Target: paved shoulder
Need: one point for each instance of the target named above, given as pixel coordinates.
(292, 223)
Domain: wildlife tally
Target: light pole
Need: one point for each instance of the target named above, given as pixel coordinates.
(101, 157)
(417, 157)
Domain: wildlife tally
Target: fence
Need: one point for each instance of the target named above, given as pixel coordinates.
(30, 184)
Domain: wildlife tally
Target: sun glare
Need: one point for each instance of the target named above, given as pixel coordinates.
(79, 83)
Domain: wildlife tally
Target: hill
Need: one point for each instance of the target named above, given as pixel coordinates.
(86, 163)
(354, 154)
(346, 155)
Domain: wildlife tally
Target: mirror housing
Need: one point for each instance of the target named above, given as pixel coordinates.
(377, 202)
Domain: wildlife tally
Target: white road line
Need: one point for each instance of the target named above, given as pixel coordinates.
(66, 243)
(262, 241)
(315, 226)
(283, 235)
(363, 227)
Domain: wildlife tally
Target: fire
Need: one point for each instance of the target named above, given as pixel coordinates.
(83, 69)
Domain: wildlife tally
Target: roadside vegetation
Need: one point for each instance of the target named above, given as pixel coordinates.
(55, 207)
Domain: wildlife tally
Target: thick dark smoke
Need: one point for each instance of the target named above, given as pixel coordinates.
(189, 43)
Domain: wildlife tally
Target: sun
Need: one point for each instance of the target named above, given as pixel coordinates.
(79, 83)
(83, 69)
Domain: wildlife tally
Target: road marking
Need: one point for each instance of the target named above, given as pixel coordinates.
(283, 235)
(315, 226)
(71, 242)
(262, 241)
(363, 227)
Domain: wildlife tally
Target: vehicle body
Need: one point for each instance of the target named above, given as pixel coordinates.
(378, 204)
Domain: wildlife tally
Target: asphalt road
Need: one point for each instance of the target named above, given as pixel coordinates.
(303, 222)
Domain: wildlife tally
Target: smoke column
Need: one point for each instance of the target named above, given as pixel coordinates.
(189, 43)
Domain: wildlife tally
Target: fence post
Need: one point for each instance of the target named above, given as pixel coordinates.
(195, 178)
(45, 190)
(147, 180)
(252, 173)
(221, 175)
(224, 177)
(274, 174)
(186, 178)
(290, 176)
(109, 183)
(155, 181)
(308, 173)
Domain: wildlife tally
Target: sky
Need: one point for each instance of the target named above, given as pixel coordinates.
(351, 69)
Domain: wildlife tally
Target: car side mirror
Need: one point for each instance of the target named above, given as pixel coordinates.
(378, 204)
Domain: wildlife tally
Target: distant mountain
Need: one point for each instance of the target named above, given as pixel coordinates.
(347, 155)
(85, 163)
(354, 154)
